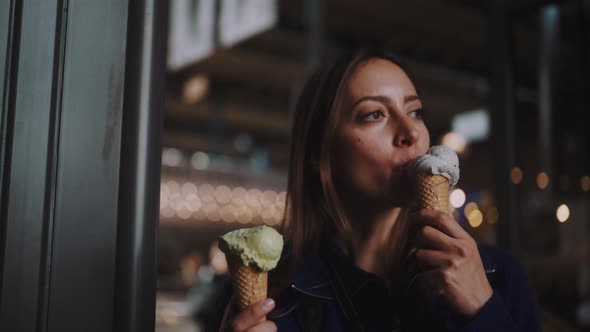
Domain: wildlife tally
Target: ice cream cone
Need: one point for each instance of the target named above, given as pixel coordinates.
(432, 192)
(250, 253)
(250, 285)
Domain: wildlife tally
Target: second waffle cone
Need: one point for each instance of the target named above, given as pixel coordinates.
(432, 192)
(250, 285)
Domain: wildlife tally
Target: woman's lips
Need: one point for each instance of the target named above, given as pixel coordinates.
(403, 168)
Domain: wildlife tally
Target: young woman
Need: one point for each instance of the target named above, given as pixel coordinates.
(349, 223)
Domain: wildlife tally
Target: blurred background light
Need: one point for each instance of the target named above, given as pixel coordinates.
(585, 183)
(173, 187)
(473, 126)
(207, 192)
(189, 188)
(563, 213)
(238, 195)
(475, 218)
(542, 180)
(223, 195)
(195, 89)
(171, 157)
(200, 161)
(454, 141)
(516, 175)
(457, 198)
(469, 207)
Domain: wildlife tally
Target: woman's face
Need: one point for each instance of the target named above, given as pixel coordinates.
(380, 131)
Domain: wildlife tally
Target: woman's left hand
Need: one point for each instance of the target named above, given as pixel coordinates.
(449, 262)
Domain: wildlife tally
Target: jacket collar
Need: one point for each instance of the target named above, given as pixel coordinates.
(313, 278)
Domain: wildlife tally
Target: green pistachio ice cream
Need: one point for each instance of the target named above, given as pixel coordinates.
(259, 246)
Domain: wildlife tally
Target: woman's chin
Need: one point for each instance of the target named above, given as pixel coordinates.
(401, 194)
(403, 202)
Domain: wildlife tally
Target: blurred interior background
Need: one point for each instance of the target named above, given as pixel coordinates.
(506, 84)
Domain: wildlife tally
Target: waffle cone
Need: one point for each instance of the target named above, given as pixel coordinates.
(432, 192)
(250, 285)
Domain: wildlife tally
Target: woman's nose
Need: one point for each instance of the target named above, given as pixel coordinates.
(407, 134)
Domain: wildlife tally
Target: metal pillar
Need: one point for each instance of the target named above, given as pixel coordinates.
(79, 175)
(314, 21)
(584, 49)
(141, 152)
(502, 122)
(549, 47)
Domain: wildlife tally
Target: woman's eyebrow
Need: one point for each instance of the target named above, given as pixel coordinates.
(410, 98)
(384, 99)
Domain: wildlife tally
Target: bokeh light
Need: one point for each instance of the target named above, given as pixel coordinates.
(454, 141)
(585, 183)
(253, 197)
(171, 157)
(206, 192)
(516, 175)
(189, 188)
(542, 180)
(281, 199)
(200, 161)
(469, 208)
(223, 195)
(563, 213)
(269, 197)
(475, 218)
(238, 195)
(457, 198)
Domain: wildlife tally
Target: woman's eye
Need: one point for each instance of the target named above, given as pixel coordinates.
(375, 115)
(418, 114)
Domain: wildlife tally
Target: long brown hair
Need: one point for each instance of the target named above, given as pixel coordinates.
(313, 212)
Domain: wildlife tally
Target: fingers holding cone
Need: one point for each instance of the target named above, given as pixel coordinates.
(434, 174)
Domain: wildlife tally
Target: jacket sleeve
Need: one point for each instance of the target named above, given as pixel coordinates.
(511, 307)
(223, 297)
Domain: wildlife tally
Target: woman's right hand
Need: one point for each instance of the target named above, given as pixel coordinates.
(249, 319)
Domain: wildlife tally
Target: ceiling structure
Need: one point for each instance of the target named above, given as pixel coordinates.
(252, 85)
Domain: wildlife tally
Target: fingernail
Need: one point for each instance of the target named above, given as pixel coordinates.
(268, 304)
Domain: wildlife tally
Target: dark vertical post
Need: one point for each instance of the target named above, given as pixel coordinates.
(314, 22)
(584, 49)
(29, 114)
(7, 31)
(583, 116)
(502, 116)
(82, 175)
(80, 164)
(139, 180)
(548, 56)
(313, 15)
(10, 15)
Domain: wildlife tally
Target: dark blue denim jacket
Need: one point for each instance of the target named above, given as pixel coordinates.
(311, 304)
